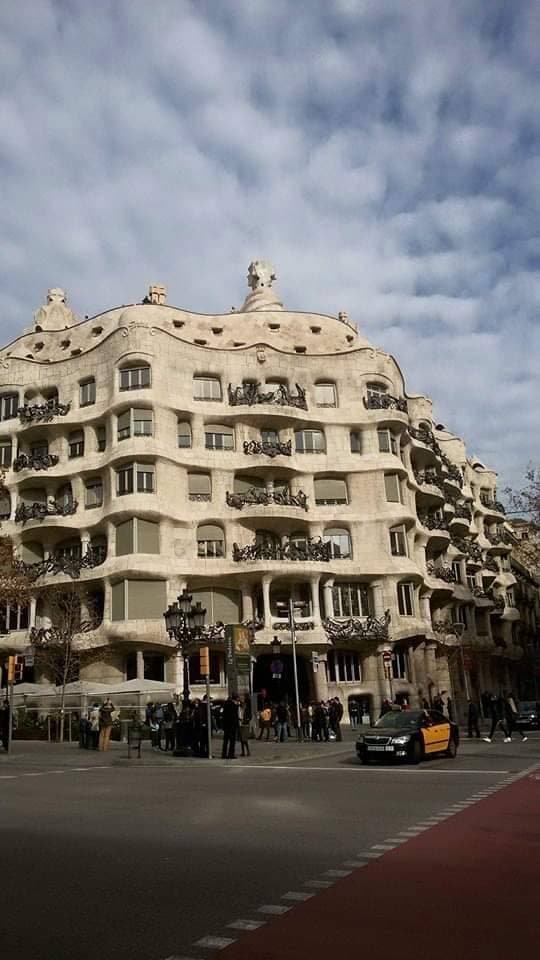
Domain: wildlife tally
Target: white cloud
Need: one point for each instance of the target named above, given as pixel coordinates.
(383, 154)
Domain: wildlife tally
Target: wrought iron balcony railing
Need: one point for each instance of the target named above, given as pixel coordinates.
(301, 625)
(462, 511)
(255, 497)
(495, 538)
(200, 497)
(39, 511)
(469, 548)
(270, 448)
(429, 476)
(60, 563)
(433, 523)
(481, 594)
(441, 572)
(491, 565)
(29, 461)
(426, 437)
(446, 626)
(385, 401)
(453, 472)
(357, 628)
(492, 504)
(250, 394)
(43, 412)
(316, 549)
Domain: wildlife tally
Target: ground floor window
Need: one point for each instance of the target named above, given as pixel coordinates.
(344, 667)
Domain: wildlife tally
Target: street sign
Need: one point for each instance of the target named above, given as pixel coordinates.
(277, 669)
(387, 655)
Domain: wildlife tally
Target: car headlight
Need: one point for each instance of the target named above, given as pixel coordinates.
(404, 739)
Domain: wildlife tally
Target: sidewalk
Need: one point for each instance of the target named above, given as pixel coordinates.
(467, 887)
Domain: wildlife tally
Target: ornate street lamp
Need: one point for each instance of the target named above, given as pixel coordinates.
(184, 623)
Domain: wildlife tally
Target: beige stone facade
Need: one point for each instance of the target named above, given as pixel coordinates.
(168, 442)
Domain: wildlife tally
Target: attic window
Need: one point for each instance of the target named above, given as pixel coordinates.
(239, 343)
(96, 331)
(75, 352)
(217, 330)
(315, 329)
(350, 338)
(65, 344)
(300, 349)
(274, 326)
(39, 346)
(29, 356)
(178, 324)
(200, 343)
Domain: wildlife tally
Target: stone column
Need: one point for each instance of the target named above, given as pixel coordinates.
(247, 601)
(425, 607)
(177, 670)
(111, 539)
(32, 612)
(378, 598)
(320, 680)
(316, 613)
(385, 685)
(266, 581)
(413, 678)
(328, 599)
(140, 665)
(430, 654)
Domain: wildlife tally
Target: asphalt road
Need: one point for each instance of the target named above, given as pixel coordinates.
(142, 863)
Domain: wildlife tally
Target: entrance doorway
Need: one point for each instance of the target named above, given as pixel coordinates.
(282, 688)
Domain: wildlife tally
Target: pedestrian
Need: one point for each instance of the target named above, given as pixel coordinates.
(4, 724)
(93, 719)
(265, 722)
(497, 710)
(135, 735)
(512, 715)
(425, 704)
(324, 725)
(354, 713)
(306, 721)
(283, 717)
(449, 708)
(438, 703)
(245, 725)
(472, 720)
(230, 727)
(84, 730)
(169, 718)
(335, 713)
(105, 723)
(386, 707)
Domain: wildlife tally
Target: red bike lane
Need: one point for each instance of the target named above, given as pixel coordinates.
(466, 888)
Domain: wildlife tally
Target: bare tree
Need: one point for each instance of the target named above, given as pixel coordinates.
(525, 506)
(60, 648)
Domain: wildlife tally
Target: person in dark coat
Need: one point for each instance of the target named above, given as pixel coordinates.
(386, 707)
(231, 722)
(354, 712)
(472, 720)
(497, 709)
(512, 713)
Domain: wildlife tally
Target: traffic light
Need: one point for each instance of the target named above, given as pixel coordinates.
(11, 669)
(19, 669)
(204, 661)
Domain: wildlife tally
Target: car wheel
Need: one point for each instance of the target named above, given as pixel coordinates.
(415, 752)
(451, 750)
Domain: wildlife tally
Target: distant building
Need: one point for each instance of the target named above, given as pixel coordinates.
(250, 457)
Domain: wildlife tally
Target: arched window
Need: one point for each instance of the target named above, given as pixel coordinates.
(5, 504)
(184, 433)
(210, 541)
(340, 540)
(199, 487)
(5, 452)
(325, 394)
(245, 484)
(375, 391)
(351, 600)
(309, 441)
(206, 388)
(76, 444)
(344, 667)
(135, 376)
(217, 436)
(87, 392)
(330, 491)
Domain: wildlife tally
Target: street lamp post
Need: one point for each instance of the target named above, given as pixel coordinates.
(292, 629)
(184, 623)
(459, 629)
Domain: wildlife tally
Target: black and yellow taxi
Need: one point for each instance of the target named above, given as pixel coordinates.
(409, 735)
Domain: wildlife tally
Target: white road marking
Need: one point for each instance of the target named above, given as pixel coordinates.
(396, 771)
(396, 840)
(176, 956)
(297, 895)
(10, 776)
(337, 873)
(370, 854)
(355, 864)
(383, 846)
(42, 774)
(319, 884)
(215, 943)
(246, 924)
(273, 908)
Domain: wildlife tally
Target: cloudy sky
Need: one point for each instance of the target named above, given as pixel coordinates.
(383, 153)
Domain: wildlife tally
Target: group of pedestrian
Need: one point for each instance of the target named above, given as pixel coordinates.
(318, 721)
(95, 726)
(236, 721)
(504, 715)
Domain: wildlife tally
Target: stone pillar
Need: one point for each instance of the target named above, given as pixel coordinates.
(378, 598)
(413, 678)
(111, 539)
(385, 686)
(328, 599)
(430, 654)
(425, 607)
(320, 680)
(247, 601)
(32, 612)
(177, 670)
(316, 613)
(140, 665)
(266, 581)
